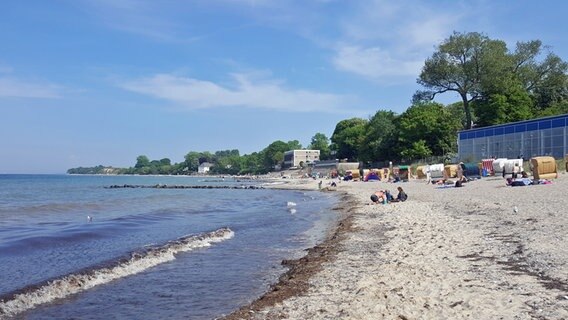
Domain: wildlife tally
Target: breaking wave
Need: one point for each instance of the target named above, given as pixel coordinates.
(29, 297)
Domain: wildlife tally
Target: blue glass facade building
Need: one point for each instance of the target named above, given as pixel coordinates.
(539, 137)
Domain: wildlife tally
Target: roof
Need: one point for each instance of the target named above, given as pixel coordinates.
(512, 127)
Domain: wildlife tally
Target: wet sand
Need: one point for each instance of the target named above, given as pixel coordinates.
(484, 251)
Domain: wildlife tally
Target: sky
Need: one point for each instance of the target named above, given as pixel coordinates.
(100, 82)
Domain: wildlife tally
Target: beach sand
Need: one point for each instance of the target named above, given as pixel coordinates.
(484, 251)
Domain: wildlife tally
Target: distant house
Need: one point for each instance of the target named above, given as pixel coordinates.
(204, 167)
(300, 158)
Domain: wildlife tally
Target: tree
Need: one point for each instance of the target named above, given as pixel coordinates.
(227, 162)
(348, 137)
(320, 142)
(546, 81)
(427, 129)
(461, 64)
(380, 137)
(253, 164)
(274, 154)
(511, 104)
(230, 164)
(142, 161)
(554, 109)
(192, 161)
(294, 145)
(206, 157)
(486, 75)
(456, 111)
(416, 150)
(227, 153)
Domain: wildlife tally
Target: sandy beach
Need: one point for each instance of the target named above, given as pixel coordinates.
(484, 251)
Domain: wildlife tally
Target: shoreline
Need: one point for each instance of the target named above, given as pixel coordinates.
(295, 281)
(446, 253)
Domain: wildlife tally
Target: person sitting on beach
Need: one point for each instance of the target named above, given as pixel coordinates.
(388, 196)
(378, 197)
(524, 174)
(401, 197)
(462, 171)
(519, 182)
(395, 178)
(459, 183)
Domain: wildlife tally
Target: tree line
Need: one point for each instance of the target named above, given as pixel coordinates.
(495, 85)
(224, 162)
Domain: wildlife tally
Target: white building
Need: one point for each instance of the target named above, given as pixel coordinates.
(300, 158)
(204, 167)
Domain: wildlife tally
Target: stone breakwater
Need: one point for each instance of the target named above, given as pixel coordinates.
(164, 186)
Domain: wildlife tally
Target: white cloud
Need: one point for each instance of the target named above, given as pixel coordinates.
(145, 18)
(374, 62)
(384, 39)
(244, 92)
(411, 23)
(10, 87)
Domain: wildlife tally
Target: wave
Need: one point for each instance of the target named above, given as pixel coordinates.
(31, 296)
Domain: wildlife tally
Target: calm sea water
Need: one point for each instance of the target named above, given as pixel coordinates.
(146, 253)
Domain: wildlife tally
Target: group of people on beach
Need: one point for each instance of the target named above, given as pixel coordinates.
(445, 181)
(384, 196)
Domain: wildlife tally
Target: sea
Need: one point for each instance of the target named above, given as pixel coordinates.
(72, 247)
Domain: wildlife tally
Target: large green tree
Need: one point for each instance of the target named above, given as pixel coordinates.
(191, 162)
(142, 161)
(294, 145)
(231, 164)
(380, 137)
(518, 85)
(456, 111)
(544, 79)
(461, 65)
(253, 164)
(512, 103)
(348, 137)
(321, 142)
(274, 154)
(427, 129)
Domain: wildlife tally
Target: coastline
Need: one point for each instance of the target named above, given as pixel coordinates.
(295, 281)
(445, 253)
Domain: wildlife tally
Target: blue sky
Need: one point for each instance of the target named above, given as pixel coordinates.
(84, 83)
